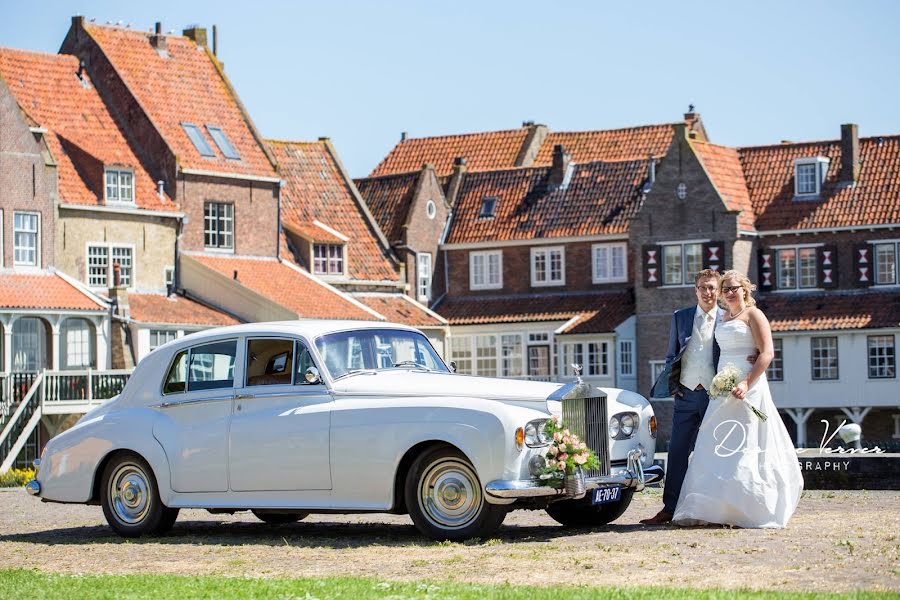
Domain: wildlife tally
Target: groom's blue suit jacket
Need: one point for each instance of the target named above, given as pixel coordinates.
(679, 335)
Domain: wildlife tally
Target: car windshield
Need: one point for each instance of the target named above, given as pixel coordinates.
(371, 349)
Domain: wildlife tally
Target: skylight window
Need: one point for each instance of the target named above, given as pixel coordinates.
(222, 142)
(488, 203)
(196, 137)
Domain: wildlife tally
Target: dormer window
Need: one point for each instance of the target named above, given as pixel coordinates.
(328, 259)
(809, 175)
(222, 142)
(488, 203)
(196, 136)
(120, 185)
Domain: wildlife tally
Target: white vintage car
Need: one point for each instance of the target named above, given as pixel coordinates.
(287, 419)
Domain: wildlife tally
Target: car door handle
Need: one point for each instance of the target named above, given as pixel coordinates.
(244, 397)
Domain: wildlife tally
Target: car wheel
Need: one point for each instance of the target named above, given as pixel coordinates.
(130, 498)
(278, 518)
(583, 514)
(445, 499)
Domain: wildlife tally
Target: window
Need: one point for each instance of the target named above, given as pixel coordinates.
(328, 259)
(377, 349)
(423, 276)
(461, 353)
(270, 362)
(610, 263)
(511, 364)
(595, 353)
(169, 275)
(886, 263)
(196, 136)
(222, 142)
(158, 337)
(431, 209)
(218, 225)
(77, 335)
(486, 270)
(656, 367)
(797, 268)
(882, 357)
(809, 174)
(681, 262)
(100, 267)
(25, 238)
(548, 266)
(211, 366)
(488, 204)
(775, 372)
(824, 358)
(486, 355)
(626, 358)
(119, 185)
(29, 344)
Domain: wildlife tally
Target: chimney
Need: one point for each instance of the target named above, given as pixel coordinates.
(161, 189)
(197, 34)
(559, 168)
(651, 169)
(122, 357)
(215, 40)
(849, 153)
(456, 178)
(158, 40)
(537, 133)
(402, 136)
(235, 276)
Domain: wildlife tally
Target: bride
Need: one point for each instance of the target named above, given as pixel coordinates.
(744, 469)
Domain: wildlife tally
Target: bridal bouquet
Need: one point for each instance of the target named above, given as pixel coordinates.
(566, 453)
(725, 381)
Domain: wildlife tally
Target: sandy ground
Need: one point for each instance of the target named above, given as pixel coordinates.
(837, 541)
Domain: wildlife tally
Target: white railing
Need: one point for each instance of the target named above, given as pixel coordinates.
(85, 386)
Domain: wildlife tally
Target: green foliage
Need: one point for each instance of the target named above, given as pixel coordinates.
(16, 477)
(566, 452)
(18, 583)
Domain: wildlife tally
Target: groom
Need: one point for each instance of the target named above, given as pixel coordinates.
(690, 368)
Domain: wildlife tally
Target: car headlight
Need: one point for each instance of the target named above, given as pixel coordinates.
(534, 434)
(623, 426)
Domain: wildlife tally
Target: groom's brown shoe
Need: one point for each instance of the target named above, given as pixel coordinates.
(661, 518)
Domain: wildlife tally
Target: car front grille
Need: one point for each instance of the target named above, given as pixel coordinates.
(587, 418)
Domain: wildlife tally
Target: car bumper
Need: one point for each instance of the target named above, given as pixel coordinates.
(633, 476)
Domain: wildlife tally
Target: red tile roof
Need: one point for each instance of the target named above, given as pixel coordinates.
(597, 312)
(389, 198)
(158, 308)
(82, 135)
(482, 151)
(292, 288)
(187, 86)
(600, 199)
(399, 308)
(631, 143)
(769, 172)
(723, 166)
(316, 190)
(832, 311)
(43, 290)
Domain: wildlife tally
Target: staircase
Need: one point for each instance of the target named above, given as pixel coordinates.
(20, 423)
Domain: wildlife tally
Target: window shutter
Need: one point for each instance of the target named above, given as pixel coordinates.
(826, 264)
(863, 265)
(766, 270)
(714, 256)
(652, 265)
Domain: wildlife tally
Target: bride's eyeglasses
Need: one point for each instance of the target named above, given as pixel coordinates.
(727, 289)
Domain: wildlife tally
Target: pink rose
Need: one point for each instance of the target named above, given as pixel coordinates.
(554, 450)
(552, 463)
(556, 436)
(566, 432)
(562, 466)
(580, 459)
(563, 456)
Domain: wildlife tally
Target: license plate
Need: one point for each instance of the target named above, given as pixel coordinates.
(606, 495)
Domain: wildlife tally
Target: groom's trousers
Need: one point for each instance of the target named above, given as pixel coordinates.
(689, 411)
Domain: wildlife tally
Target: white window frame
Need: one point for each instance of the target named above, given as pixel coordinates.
(820, 164)
(81, 347)
(687, 279)
(118, 172)
(656, 367)
(109, 247)
(462, 344)
(885, 364)
(775, 370)
(547, 252)
(569, 351)
(219, 234)
(506, 361)
(326, 265)
(877, 272)
(485, 258)
(813, 364)
(423, 276)
(609, 262)
(626, 358)
(170, 334)
(37, 240)
(780, 286)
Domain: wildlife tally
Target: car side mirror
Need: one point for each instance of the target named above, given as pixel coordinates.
(312, 375)
(453, 366)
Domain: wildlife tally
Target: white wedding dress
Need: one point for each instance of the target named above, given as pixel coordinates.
(744, 471)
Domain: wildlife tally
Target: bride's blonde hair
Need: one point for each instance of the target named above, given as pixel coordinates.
(744, 282)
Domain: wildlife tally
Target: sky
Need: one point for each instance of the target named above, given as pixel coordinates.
(361, 72)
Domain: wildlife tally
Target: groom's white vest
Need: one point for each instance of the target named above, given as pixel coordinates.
(697, 360)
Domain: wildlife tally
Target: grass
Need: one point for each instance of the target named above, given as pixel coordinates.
(18, 583)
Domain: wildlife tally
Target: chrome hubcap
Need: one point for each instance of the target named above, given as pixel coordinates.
(129, 494)
(449, 494)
